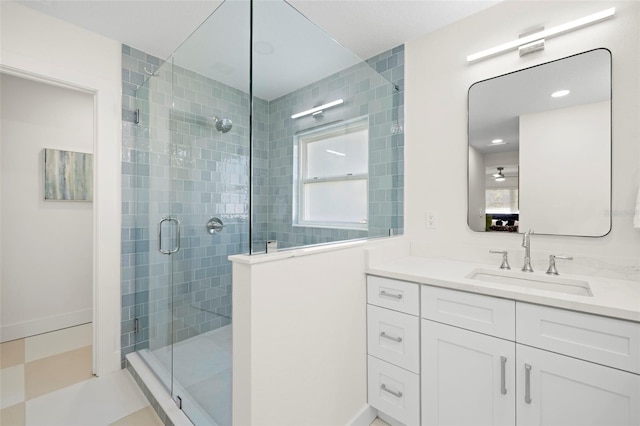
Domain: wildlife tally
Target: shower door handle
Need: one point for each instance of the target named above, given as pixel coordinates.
(176, 247)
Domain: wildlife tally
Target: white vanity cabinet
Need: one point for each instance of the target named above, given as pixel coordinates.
(576, 368)
(393, 347)
(486, 360)
(468, 358)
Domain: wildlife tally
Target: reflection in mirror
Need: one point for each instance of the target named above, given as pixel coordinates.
(540, 148)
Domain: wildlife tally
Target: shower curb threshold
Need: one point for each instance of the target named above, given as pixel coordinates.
(155, 392)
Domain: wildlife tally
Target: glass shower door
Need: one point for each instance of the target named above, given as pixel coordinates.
(209, 196)
(157, 227)
(192, 186)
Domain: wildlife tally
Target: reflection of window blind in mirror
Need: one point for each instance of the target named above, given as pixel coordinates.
(501, 201)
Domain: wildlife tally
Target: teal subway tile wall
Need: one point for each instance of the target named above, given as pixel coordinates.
(186, 168)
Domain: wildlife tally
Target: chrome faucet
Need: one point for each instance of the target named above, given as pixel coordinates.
(552, 263)
(505, 258)
(526, 243)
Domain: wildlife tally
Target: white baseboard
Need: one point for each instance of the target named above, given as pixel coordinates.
(44, 325)
(364, 417)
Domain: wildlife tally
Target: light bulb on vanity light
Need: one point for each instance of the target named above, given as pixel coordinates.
(544, 34)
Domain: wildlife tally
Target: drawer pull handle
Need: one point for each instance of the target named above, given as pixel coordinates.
(503, 383)
(394, 393)
(527, 383)
(394, 296)
(386, 336)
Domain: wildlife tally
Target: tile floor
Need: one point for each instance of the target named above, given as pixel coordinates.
(47, 380)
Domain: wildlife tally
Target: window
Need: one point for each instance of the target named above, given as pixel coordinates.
(503, 200)
(331, 173)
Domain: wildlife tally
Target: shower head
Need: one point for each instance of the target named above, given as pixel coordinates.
(223, 125)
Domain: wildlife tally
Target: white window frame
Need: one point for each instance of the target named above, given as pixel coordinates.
(301, 141)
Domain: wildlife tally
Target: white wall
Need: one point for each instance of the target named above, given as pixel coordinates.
(437, 80)
(560, 189)
(477, 190)
(299, 337)
(47, 246)
(43, 48)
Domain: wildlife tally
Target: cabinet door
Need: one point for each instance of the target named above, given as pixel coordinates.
(558, 390)
(468, 378)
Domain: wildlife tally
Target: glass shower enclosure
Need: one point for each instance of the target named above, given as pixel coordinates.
(224, 167)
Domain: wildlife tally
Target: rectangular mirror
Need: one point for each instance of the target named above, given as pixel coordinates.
(540, 149)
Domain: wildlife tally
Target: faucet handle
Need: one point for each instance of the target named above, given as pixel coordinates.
(505, 259)
(552, 263)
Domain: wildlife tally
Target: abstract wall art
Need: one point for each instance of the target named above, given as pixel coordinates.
(68, 175)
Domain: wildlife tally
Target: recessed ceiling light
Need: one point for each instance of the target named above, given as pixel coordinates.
(495, 141)
(263, 47)
(560, 93)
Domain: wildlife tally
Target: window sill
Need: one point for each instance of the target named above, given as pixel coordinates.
(331, 226)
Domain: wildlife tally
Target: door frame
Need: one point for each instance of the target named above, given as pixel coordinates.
(107, 142)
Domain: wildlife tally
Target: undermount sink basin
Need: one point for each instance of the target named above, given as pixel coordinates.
(529, 280)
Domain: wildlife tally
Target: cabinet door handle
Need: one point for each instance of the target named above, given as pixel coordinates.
(527, 383)
(503, 382)
(394, 296)
(386, 336)
(394, 393)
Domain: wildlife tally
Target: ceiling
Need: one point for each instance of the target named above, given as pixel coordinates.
(290, 52)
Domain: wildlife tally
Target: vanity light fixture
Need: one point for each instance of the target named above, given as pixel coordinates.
(318, 108)
(551, 32)
(560, 93)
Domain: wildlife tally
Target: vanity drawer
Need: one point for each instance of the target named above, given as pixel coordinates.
(393, 294)
(394, 391)
(475, 312)
(394, 337)
(603, 340)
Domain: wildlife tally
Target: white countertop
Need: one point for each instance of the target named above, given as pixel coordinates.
(611, 297)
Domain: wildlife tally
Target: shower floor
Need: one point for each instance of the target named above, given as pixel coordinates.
(201, 374)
